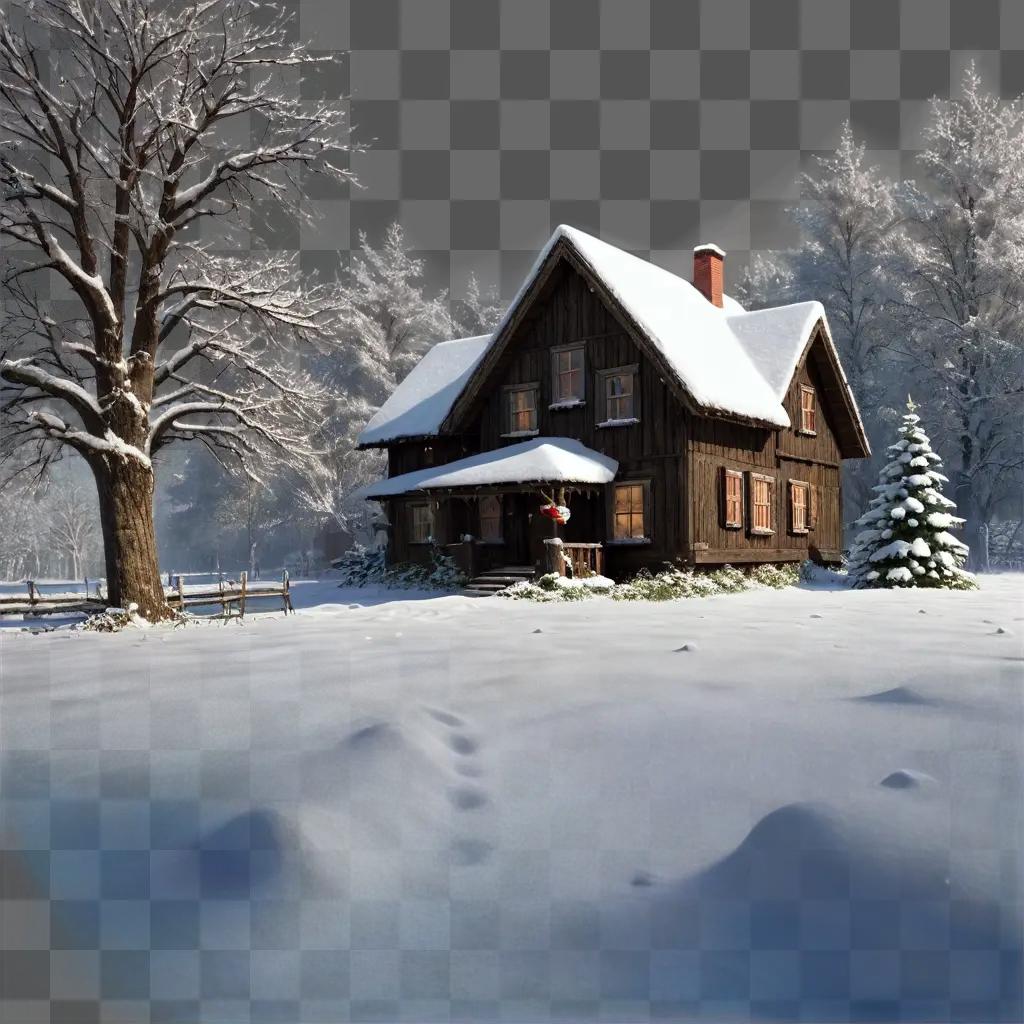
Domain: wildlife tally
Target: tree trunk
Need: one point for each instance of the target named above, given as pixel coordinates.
(125, 491)
(967, 508)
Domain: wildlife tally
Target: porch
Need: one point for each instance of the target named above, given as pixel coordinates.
(530, 508)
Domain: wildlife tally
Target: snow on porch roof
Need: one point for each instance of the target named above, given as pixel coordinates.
(543, 460)
(420, 403)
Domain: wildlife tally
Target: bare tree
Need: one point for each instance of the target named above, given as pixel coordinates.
(121, 176)
(388, 320)
(73, 527)
(847, 210)
(957, 271)
(479, 311)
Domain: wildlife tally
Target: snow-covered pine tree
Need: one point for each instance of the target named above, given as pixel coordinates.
(904, 538)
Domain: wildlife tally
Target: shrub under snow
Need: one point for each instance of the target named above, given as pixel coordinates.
(363, 567)
(670, 584)
(904, 538)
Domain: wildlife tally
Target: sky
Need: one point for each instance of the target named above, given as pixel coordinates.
(656, 124)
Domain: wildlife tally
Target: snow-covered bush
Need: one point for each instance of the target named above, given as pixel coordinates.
(671, 584)
(777, 577)
(811, 572)
(366, 567)
(113, 620)
(359, 566)
(904, 538)
(553, 587)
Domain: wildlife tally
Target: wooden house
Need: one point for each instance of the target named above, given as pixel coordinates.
(673, 424)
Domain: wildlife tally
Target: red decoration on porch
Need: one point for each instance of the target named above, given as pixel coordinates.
(560, 513)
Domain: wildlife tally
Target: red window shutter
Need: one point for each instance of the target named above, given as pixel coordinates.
(812, 509)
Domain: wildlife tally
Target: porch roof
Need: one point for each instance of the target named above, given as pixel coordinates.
(542, 460)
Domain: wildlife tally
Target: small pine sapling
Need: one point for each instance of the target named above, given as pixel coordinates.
(904, 538)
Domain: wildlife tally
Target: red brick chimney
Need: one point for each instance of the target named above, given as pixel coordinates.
(708, 272)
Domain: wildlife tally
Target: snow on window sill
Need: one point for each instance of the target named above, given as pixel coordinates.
(624, 542)
(626, 422)
(800, 533)
(521, 433)
(760, 531)
(568, 403)
(734, 526)
(807, 433)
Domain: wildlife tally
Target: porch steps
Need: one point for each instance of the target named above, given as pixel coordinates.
(495, 580)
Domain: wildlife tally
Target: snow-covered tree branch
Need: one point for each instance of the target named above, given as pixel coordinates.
(118, 144)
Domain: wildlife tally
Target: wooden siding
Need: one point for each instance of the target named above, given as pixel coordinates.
(784, 455)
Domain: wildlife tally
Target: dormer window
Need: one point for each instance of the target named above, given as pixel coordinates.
(567, 376)
(521, 410)
(808, 410)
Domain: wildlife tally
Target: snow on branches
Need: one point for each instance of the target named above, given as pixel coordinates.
(120, 176)
(904, 538)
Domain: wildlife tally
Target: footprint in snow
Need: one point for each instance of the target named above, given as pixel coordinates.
(815, 615)
(467, 798)
(685, 647)
(468, 852)
(445, 717)
(462, 744)
(907, 778)
(642, 879)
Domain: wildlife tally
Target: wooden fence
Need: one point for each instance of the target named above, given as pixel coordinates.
(232, 596)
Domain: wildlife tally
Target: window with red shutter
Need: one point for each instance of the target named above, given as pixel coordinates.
(762, 504)
(799, 505)
(808, 410)
(732, 499)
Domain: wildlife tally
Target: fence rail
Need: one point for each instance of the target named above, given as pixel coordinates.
(232, 596)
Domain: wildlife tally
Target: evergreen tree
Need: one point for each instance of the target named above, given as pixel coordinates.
(904, 538)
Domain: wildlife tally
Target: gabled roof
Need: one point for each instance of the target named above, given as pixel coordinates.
(542, 460)
(419, 404)
(726, 361)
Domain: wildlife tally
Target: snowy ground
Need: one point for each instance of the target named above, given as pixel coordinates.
(796, 805)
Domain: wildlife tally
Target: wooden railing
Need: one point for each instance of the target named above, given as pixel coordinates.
(585, 559)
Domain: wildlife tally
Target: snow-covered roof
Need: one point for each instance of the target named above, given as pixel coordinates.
(774, 339)
(696, 338)
(730, 361)
(542, 460)
(419, 404)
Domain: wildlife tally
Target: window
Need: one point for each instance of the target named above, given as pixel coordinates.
(762, 504)
(799, 506)
(617, 391)
(732, 499)
(490, 519)
(629, 504)
(808, 410)
(521, 409)
(812, 507)
(422, 524)
(567, 374)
